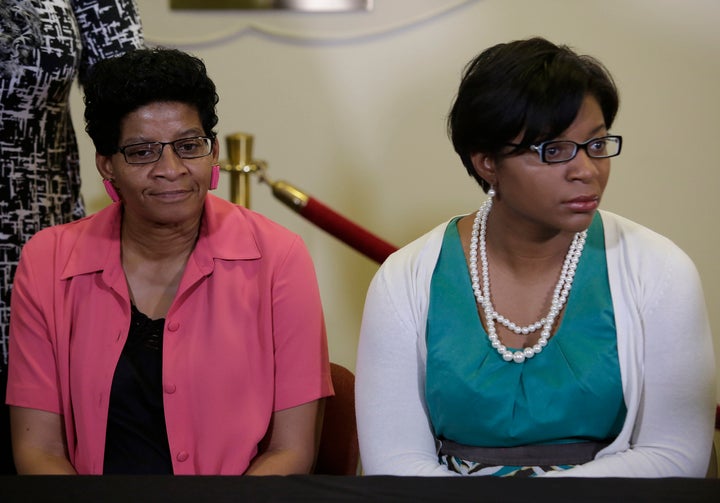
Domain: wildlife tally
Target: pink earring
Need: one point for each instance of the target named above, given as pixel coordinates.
(214, 176)
(110, 189)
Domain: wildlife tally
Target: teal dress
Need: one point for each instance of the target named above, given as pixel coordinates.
(571, 392)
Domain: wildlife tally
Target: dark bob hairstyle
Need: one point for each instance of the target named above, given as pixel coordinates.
(530, 87)
(118, 86)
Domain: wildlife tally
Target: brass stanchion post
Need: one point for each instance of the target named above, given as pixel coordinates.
(239, 147)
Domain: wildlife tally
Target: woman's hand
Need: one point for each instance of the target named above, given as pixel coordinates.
(39, 445)
(290, 444)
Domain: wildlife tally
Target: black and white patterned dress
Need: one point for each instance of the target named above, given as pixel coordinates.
(44, 45)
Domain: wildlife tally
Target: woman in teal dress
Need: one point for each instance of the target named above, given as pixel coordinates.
(537, 335)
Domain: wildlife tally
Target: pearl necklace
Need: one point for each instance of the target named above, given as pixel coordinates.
(560, 294)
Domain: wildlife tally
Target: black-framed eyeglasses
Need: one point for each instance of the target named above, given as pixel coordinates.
(185, 148)
(554, 151)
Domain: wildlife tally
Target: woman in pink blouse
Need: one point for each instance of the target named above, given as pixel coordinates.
(173, 331)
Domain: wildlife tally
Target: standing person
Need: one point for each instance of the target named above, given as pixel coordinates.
(44, 46)
(537, 335)
(172, 332)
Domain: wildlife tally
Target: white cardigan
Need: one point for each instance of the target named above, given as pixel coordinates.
(664, 347)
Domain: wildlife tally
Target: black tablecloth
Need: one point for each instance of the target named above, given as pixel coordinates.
(318, 488)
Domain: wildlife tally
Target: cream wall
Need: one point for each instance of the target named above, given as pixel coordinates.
(351, 108)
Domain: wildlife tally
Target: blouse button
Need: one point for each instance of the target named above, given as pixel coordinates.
(173, 326)
(170, 388)
(182, 456)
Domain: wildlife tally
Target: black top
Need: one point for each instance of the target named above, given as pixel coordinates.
(136, 440)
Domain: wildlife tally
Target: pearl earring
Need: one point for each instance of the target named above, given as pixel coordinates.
(491, 192)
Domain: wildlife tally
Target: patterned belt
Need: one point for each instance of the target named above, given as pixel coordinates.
(525, 455)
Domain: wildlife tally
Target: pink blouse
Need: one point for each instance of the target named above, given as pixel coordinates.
(244, 337)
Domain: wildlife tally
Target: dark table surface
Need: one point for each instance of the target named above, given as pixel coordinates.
(319, 488)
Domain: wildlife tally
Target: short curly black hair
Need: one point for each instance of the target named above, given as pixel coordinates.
(118, 86)
(531, 86)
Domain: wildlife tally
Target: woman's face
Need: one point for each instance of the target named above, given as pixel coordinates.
(547, 198)
(170, 190)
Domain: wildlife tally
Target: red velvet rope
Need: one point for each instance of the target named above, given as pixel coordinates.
(346, 231)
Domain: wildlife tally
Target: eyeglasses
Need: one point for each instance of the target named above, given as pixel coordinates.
(185, 148)
(555, 151)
